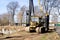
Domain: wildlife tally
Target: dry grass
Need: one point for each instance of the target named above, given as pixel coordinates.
(22, 35)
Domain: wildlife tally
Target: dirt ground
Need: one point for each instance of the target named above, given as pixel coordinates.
(22, 35)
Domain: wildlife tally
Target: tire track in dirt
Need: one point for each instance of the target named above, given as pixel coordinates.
(31, 36)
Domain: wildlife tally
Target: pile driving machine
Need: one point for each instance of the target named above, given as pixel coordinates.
(36, 23)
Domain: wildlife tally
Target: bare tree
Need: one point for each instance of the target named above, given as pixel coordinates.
(21, 13)
(19, 17)
(23, 8)
(11, 7)
(0, 21)
(4, 20)
(37, 11)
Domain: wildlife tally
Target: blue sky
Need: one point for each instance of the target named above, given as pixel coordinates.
(3, 4)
